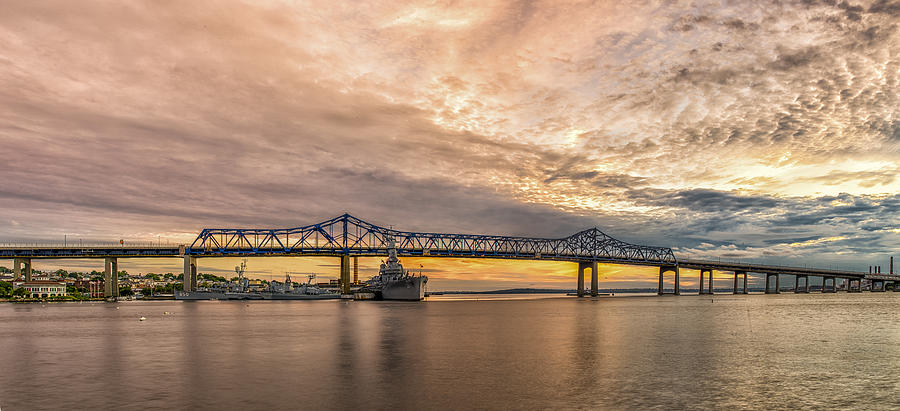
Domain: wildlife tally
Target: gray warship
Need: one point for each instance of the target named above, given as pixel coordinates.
(290, 291)
(240, 290)
(393, 282)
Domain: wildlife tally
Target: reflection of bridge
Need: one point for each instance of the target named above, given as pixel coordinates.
(347, 236)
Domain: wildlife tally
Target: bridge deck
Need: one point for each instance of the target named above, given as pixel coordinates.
(778, 269)
(60, 251)
(346, 235)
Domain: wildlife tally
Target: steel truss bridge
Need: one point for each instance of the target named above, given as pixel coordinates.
(348, 235)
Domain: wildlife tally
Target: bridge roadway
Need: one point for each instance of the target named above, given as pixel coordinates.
(346, 236)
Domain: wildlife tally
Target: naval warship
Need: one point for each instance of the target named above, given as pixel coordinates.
(393, 282)
(240, 290)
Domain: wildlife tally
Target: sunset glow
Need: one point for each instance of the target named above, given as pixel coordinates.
(762, 131)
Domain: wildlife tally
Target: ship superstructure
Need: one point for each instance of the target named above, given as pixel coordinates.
(241, 289)
(393, 282)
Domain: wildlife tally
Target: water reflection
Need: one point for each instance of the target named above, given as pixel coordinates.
(757, 352)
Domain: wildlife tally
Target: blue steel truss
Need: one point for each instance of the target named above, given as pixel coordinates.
(348, 235)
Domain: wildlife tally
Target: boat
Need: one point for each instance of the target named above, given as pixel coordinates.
(288, 291)
(393, 282)
(241, 290)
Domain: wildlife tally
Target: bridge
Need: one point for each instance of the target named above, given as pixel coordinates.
(349, 237)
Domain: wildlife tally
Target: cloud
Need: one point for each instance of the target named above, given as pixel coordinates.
(748, 124)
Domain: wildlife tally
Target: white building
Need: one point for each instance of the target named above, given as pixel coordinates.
(42, 288)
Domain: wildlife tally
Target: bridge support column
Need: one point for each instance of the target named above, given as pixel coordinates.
(777, 284)
(796, 283)
(769, 280)
(580, 285)
(745, 282)
(806, 284)
(355, 269)
(662, 271)
(111, 278)
(189, 279)
(20, 265)
(677, 282)
(345, 274)
(595, 280)
(825, 284)
(735, 288)
(710, 272)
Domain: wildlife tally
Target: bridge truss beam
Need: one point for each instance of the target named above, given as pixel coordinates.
(348, 235)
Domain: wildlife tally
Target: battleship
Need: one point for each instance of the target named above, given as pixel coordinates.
(393, 282)
(240, 290)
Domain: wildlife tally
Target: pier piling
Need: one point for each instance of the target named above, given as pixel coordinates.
(345, 274)
(111, 278)
(189, 282)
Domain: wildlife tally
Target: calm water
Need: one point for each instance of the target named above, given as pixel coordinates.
(760, 352)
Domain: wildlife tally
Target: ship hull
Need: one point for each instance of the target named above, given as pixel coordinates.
(287, 296)
(199, 295)
(411, 290)
(211, 295)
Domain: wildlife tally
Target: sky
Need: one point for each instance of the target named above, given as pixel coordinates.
(762, 130)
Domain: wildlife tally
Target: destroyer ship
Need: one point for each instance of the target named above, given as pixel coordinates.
(290, 291)
(393, 282)
(240, 290)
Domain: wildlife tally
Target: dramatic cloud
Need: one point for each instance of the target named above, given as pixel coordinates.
(763, 130)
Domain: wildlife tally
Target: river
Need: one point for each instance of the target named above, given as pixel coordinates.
(457, 352)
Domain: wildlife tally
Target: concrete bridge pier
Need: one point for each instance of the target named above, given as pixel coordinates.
(581, 267)
(662, 271)
(189, 281)
(710, 272)
(111, 278)
(825, 285)
(735, 288)
(345, 274)
(777, 284)
(595, 277)
(18, 264)
(797, 288)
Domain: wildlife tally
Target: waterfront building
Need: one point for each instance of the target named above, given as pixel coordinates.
(42, 288)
